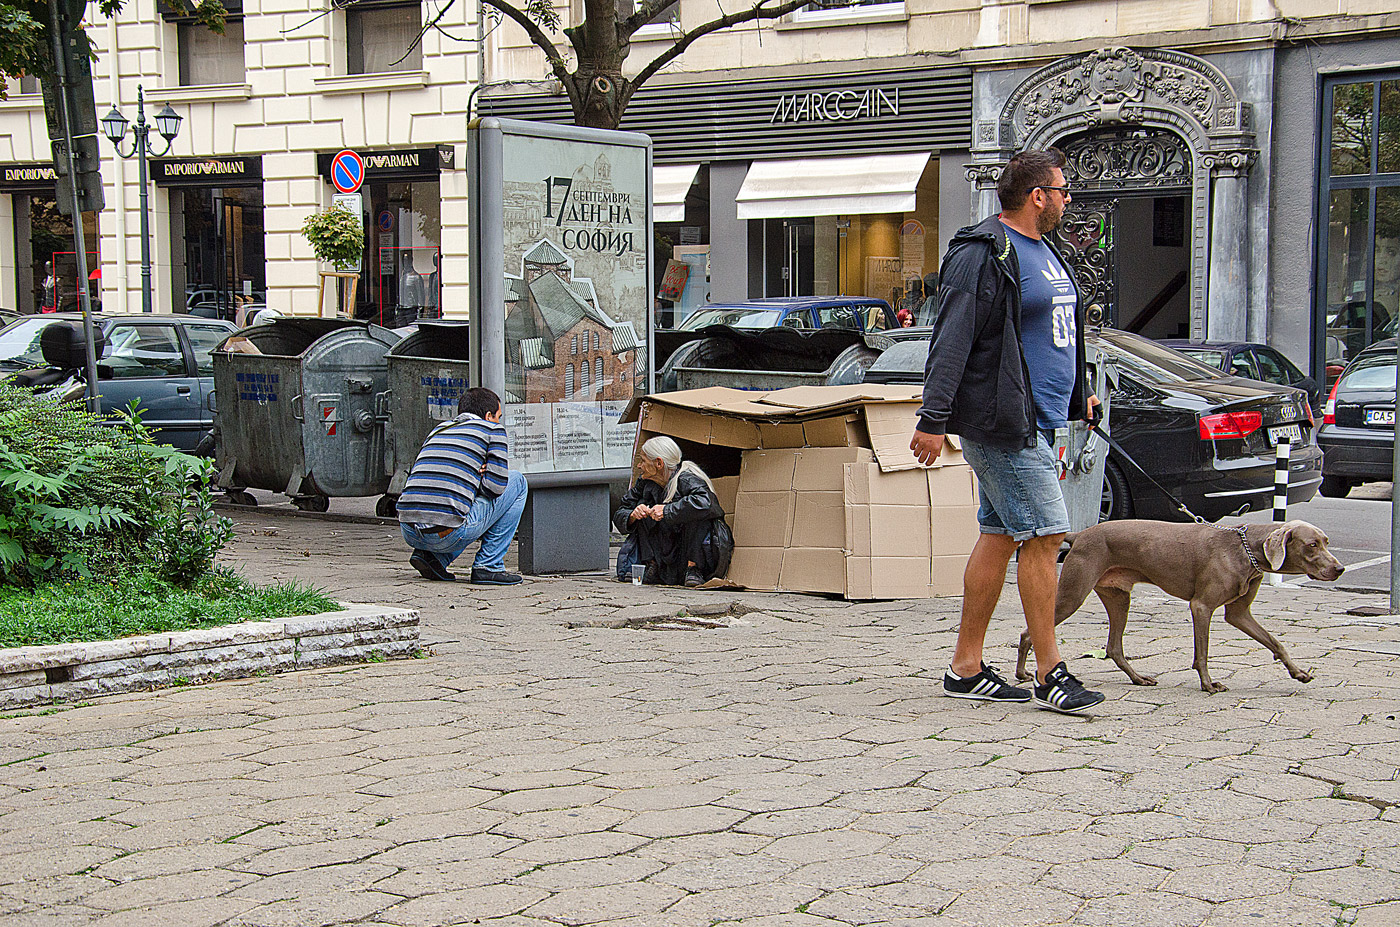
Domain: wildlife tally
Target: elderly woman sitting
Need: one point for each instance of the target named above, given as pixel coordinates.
(673, 520)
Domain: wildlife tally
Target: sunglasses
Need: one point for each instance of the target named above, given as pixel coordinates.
(1064, 191)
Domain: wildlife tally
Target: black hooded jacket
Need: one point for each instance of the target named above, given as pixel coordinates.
(976, 383)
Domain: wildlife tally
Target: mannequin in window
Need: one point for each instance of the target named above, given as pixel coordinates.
(432, 290)
(410, 292)
(50, 295)
(1387, 292)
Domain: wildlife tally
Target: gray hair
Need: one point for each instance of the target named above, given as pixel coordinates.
(668, 452)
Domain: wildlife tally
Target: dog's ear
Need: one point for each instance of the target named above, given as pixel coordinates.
(1276, 544)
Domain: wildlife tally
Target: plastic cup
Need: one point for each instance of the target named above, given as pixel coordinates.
(638, 571)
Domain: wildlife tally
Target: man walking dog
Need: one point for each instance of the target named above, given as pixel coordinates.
(1006, 369)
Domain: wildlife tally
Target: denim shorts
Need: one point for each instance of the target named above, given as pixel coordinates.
(1019, 489)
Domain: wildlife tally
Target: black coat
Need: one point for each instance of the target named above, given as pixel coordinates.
(692, 528)
(975, 380)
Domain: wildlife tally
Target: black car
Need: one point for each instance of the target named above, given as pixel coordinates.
(1252, 361)
(162, 361)
(1358, 422)
(1209, 438)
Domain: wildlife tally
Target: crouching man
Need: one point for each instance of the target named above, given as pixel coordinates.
(461, 490)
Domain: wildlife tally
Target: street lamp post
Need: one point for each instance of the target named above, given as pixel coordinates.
(114, 127)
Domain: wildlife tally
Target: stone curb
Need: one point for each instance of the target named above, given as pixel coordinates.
(65, 672)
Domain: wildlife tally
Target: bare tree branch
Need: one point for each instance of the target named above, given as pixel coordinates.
(644, 15)
(430, 24)
(759, 10)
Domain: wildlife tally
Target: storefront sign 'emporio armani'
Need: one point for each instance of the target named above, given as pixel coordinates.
(836, 105)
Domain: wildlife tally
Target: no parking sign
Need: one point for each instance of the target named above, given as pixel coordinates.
(347, 171)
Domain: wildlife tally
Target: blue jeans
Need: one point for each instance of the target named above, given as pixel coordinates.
(1020, 489)
(493, 519)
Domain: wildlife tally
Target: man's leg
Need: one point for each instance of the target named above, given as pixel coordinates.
(982, 582)
(1036, 581)
(501, 522)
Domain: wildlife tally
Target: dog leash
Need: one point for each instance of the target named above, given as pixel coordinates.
(1181, 506)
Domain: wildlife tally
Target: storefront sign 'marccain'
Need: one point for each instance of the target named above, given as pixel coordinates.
(836, 105)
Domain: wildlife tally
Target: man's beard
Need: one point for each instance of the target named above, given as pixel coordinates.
(1050, 219)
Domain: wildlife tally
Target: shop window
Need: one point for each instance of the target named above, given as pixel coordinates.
(220, 264)
(405, 252)
(205, 56)
(1359, 250)
(383, 36)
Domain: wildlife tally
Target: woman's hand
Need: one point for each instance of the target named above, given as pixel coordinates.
(640, 512)
(657, 511)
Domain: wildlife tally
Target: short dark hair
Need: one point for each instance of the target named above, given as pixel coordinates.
(479, 401)
(1024, 172)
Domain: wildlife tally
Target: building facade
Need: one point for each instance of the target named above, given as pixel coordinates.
(265, 107)
(1234, 165)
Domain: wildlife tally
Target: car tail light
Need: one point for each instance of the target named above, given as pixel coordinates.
(1229, 424)
(1329, 410)
(1307, 410)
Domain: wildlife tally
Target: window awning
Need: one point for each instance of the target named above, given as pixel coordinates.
(669, 185)
(831, 186)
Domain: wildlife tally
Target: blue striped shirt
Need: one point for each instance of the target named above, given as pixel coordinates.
(460, 458)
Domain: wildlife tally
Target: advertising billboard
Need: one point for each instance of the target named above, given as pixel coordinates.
(561, 281)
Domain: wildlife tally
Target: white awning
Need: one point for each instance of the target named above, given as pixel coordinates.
(831, 186)
(669, 185)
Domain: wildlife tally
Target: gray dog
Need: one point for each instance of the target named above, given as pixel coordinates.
(1205, 565)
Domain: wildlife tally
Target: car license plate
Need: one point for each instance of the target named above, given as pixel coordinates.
(1380, 417)
(1293, 434)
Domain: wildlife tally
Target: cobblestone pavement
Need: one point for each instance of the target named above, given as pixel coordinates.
(795, 768)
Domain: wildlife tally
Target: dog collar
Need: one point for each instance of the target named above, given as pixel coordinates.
(1244, 542)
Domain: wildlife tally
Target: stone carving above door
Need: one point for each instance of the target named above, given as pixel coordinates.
(1113, 85)
(1127, 158)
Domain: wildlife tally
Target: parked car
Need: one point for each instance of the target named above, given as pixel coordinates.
(162, 361)
(1252, 361)
(1358, 422)
(859, 313)
(1206, 436)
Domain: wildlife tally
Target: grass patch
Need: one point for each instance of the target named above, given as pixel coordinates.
(94, 610)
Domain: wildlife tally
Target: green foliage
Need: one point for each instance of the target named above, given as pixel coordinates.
(140, 602)
(83, 498)
(335, 235)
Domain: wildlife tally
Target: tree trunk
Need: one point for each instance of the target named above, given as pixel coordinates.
(600, 97)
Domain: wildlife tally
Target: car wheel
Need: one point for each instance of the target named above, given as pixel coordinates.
(312, 503)
(1335, 487)
(387, 506)
(1117, 499)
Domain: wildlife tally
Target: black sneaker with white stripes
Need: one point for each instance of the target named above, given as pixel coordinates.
(986, 686)
(1063, 693)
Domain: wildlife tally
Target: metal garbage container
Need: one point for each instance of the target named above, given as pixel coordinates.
(1083, 454)
(300, 408)
(428, 373)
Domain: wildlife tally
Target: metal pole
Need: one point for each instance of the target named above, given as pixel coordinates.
(1394, 515)
(141, 132)
(1281, 458)
(79, 238)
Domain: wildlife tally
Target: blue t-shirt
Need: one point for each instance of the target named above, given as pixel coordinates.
(1048, 299)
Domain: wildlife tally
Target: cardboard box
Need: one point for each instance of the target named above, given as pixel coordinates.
(829, 498)
(726, 488)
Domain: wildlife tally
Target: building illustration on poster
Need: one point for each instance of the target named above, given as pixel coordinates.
(559, 344)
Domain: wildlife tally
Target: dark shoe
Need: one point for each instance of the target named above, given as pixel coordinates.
(652, 576)
(986, 686)
(693, 578)
(482, 577)
(1062, 692)
(430, 567)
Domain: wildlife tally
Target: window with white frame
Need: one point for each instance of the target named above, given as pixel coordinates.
(383, 36)
(207, 57)
(838, 9)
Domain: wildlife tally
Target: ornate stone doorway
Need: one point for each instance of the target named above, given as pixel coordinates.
(1144, 124)
(1124, 232)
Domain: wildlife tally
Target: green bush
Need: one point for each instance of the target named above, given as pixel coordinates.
(78, 497)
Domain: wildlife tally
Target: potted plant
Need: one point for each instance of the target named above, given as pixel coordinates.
(336, 235)
(338, 238)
